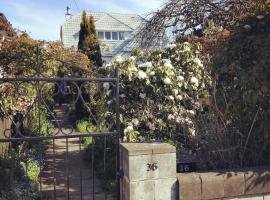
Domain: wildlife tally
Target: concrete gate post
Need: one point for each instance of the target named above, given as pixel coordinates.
(149, 171)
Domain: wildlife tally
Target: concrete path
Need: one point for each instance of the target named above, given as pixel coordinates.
(67, 174)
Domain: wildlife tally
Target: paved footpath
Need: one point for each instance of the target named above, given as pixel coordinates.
(58, 164)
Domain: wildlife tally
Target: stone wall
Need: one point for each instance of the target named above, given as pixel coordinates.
(149, 173)
(252, 183)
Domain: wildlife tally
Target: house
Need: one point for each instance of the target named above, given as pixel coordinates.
(115, 31)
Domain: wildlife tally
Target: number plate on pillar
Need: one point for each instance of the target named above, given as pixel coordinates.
(152, 166)
(186, 163)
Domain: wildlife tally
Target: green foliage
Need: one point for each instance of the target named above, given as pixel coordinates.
(88, 40)
(25, 182)
(103, 146)
(84, 126)
(18, 57)
(243, 86)
(106, 173)
(160, 92)
(32, 169)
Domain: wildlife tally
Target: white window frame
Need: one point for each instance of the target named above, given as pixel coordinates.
(117, 36)
(111, 32)
(103, 35)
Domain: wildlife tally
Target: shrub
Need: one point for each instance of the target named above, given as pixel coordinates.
(242, 71)
(160, 92)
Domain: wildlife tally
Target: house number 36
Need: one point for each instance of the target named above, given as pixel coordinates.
(152, 166)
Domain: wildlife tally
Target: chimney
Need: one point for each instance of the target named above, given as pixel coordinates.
(68, 14)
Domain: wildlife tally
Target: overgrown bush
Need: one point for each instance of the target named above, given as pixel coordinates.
(160, 92)
(243, 82)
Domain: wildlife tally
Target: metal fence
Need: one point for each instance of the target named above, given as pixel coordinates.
(49, 157)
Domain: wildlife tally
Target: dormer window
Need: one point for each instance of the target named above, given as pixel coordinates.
(112, 36)
(121, 35)
(108, 36)
(115, 36)
(101, 35)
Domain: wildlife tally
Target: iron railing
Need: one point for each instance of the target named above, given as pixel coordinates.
(43, 113)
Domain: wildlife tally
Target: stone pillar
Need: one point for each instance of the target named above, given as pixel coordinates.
(149, 171)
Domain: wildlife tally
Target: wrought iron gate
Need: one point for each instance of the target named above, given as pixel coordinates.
(43, 137)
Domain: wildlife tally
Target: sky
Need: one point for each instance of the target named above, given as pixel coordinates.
(42, 18)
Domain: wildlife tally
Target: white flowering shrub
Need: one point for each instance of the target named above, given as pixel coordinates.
(159, 92)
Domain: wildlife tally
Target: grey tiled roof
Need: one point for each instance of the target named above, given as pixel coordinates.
(104, 22)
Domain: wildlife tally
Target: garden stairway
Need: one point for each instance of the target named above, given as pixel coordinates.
(59, 164)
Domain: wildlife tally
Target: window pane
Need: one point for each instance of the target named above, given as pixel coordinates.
(115, 35)
(101, 35)
(108, 35)
(121, 36)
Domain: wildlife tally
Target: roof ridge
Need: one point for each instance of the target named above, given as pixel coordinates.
(114, 13)
(120, 21)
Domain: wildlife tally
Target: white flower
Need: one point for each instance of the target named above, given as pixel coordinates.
(132, 58)
(151, 126)
(166, 61)
(106, 85)
(133, 69)
(168, 65)
(142, 95)
(192, 131)
(179, 97)
(167, 81)
(180, 78)
(160, 121)
(188, 121)
(186, 46)
(122, 95)
(148, 64)
(198, 61)
(119, 59)
(142, 75)
(109, 102)
(191, 112)
(171, 97)
(171, 46)
(170, 117)
(152, 73)
(128, 129)
(135, 121)
(178, 119)
(145, 65)
(175, 92)
(194, 81)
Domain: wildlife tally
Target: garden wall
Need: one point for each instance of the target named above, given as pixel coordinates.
(148, 172)
(252, 183)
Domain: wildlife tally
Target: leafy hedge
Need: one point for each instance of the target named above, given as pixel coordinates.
(243, 86)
